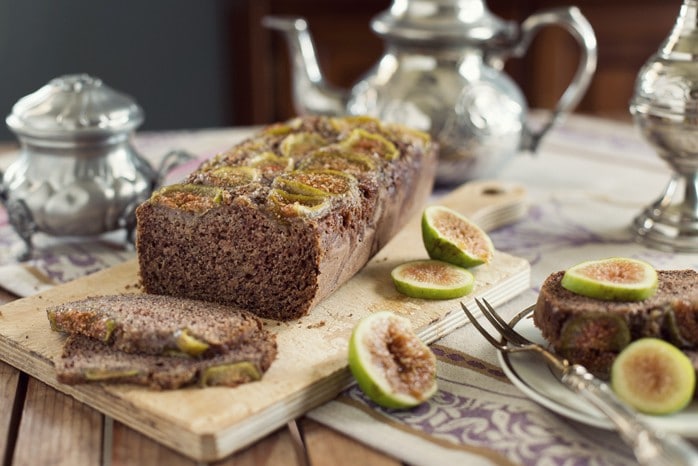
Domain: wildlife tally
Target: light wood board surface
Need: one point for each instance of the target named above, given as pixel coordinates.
(311, 367)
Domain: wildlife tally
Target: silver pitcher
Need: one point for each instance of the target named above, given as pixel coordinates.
(78, 172)
(442, 73)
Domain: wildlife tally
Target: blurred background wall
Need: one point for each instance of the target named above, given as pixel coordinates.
(628, 32)
(207, 63)
(172, 56)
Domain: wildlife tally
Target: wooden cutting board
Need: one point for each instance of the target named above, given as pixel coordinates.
(311, 368)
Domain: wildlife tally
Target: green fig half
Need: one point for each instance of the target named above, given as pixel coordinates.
(452, 237)
(612, 279)
(432, 279)
(391, 365)
(653, 376)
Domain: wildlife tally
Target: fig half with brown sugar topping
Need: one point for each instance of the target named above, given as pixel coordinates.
(392, 366)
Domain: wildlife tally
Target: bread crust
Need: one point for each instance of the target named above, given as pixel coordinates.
(277, 263)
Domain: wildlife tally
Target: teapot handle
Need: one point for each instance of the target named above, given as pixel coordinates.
(577, 25)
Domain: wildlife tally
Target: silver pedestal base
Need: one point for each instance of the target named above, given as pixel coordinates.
(671, 222)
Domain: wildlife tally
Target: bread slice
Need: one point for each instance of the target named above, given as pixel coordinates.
(591, 332)
(280, 221)
(87, 360)
(158, 325)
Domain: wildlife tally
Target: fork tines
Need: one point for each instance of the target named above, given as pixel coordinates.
(502, 327)
(493, 341)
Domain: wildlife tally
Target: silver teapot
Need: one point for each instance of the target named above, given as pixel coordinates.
(442, 73)
(78, 172)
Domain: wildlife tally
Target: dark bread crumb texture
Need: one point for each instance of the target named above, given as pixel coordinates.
(278, 222)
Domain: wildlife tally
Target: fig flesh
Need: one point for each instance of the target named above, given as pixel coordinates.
(612, 279)
(452, 237)
(653, 376)
(391, 365)
(432, 279)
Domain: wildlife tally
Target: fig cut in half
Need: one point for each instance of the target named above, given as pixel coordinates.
(612, 279)
(391, 365)
(432, 279)
(452, 237)
(653, 376)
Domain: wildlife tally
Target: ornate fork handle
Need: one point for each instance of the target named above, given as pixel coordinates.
(650, 447)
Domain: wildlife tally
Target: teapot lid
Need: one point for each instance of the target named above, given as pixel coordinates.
(448, 22)
(74, 107)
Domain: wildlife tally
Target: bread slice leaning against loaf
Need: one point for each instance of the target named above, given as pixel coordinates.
(278, 222)
(592, 332)
(160, 341)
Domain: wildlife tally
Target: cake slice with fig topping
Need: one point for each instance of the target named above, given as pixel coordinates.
(592, 331)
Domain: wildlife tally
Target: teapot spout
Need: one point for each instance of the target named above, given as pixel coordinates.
(311, 93)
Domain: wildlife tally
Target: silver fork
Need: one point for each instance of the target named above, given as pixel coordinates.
(650, 446)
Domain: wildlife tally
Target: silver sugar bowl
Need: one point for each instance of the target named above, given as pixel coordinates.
(665, 109)
(78, 172)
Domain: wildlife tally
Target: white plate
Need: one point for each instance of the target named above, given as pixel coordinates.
(530, 374)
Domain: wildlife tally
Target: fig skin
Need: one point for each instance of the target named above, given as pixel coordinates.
(391, 365)
(451, 237)
(654, 377)
(612, 279)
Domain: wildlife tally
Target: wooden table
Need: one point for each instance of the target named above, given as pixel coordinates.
(42, 426)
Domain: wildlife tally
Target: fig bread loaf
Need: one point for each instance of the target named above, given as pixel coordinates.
(278, 222)
(592, 332)
(159, 341)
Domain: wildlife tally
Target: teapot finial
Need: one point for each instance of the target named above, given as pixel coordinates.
(311, 93)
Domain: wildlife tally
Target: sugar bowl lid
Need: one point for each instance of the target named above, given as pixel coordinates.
(74, 107)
